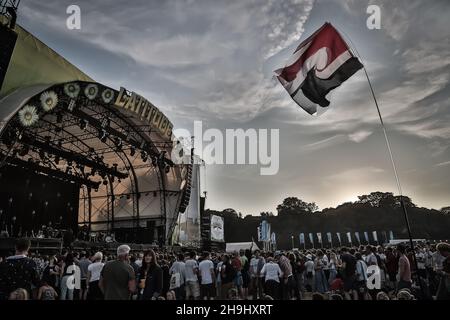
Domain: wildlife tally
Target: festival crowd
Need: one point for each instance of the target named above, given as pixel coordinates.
(317, 274)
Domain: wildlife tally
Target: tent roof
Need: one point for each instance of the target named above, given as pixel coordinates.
(34, 63)
(236, 246)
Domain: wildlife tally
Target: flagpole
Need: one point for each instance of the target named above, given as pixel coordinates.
(399, 187)
(402, 204)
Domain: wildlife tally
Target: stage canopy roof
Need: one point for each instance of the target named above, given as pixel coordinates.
(56, 120)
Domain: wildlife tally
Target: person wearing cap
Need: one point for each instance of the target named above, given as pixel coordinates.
(117, 280)
(309, 273)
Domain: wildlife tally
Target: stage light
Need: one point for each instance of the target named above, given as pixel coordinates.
(118, 143)
(105, 182)
(167, 169)
(154, 161)
(144, 156)
(103, 135)
(132, 151)
(83, 124)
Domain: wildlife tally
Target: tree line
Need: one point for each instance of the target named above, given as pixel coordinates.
(376, 211)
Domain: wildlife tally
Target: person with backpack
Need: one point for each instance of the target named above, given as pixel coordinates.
(178, 274)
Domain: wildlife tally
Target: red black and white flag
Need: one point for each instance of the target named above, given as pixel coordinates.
(320, 64)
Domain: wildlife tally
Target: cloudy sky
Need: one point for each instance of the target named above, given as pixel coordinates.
(213, 61)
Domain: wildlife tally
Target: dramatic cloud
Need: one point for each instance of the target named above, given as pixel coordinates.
(213, 61)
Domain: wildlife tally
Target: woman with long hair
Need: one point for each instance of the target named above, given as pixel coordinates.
(320, 279)
(67, 270)
(51, 272)
(150, 277)
(333, 266)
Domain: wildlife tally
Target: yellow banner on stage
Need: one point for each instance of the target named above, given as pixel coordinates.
(34, 63)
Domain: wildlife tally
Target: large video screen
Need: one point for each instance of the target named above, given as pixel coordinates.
(217, 231)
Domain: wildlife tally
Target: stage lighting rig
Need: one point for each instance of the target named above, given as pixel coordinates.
(144, 156)
(83, 124)
(132, 151)
(103, 135)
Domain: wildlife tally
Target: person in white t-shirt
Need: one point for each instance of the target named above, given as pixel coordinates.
(206, 270)
(191, 280)
(178, 267)
(272, 274)
(93, 277)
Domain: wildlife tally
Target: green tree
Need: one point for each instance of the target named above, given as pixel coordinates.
(377, 199)
(295, 205)
(406, 201)
(445, 210)
(230, 212)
